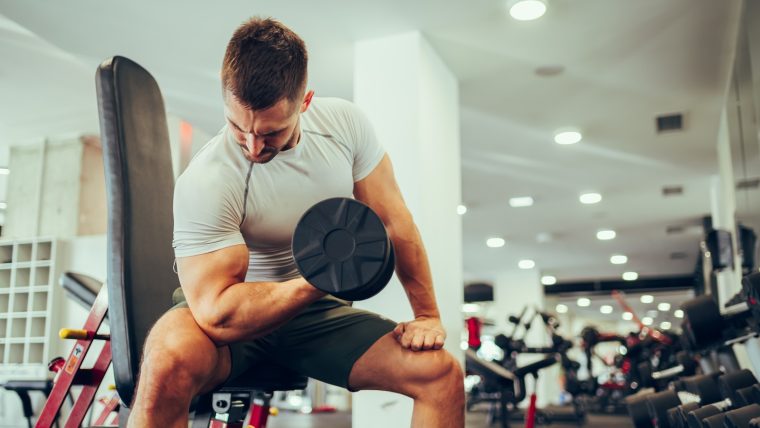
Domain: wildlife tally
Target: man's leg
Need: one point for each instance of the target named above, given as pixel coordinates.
(433, 379)
(179, 362)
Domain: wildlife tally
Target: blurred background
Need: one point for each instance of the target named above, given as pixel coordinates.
(590, 165)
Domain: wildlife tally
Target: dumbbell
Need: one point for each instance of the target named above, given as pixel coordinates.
(738, 389)
(739, 418)
(677, 415)
(695, 418)
(638, 410)
(665, 408)
(341, 247)
(731, 383)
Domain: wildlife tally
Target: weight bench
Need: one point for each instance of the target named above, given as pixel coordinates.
(511, 383)
(22, 388)
(141, 279)
(82, 289)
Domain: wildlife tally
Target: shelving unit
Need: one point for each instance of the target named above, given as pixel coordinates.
(28, 308)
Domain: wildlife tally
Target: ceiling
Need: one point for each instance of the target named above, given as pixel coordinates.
(624, 63)
(592, 313)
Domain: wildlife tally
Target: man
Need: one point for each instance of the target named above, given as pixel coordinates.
(242, 300)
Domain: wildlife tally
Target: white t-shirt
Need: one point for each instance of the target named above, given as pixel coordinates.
(211, 210)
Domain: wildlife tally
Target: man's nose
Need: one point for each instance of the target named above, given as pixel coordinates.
(254, 145)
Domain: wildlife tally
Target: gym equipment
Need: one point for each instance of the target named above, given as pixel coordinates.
(498, 377)
(341, 247)
(711, 335)
(22, 388)
(702, 400)
(138, 168)
(509, 384)
(70, 372)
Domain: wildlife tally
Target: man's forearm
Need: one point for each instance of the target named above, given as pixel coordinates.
(413, 268)
(249, 310)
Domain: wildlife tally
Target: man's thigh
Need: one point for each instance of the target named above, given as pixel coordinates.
(326, 339)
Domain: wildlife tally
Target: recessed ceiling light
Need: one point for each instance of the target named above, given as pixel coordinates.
(605, 235)
(523, 201)
(678, 313)
(5, 171)
(618, 259)
(627, 316)
(3, 205)
(647, 298)
(527, 10)
(548, 280)
(470, 308)
(495, 242)
(647, 321)
(567, 137)
(526, 264)
(583, 302)
(630, 276)
(663, 306)
(605, 309)
(665, 325)
(561, 309)
(590, 198)
(461, 209)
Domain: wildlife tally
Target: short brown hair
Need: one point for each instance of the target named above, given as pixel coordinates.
(265, 62)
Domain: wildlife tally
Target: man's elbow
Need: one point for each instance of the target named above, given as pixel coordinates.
(214, 324)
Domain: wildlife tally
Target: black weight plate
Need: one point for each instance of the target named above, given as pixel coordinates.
(740, 418)
(705, 386)
(637, 410)
(746, 396)
(695, 417)
(702, 321)
(677, 415)
(340, 246)
(714, 421)
(730, 383)
(376, 285)
(658, 405)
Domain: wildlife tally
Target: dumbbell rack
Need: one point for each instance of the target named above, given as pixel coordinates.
(29, 303)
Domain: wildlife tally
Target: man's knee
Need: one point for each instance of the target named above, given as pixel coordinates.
(176, 362)
(436, 372)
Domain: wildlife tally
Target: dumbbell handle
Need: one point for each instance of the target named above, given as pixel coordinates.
(664, 374)
(722, 405)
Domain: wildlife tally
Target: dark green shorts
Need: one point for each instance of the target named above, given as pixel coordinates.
(322, 342)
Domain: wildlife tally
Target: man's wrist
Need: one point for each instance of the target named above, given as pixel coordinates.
(428, 315)
(307, 289)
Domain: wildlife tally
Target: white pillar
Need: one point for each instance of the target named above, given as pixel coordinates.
(412, 100)
(723, 207)
(514, 290)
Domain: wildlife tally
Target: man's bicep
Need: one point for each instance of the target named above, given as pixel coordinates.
(205, 276)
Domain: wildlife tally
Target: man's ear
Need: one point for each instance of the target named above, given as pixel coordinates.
(307, 101)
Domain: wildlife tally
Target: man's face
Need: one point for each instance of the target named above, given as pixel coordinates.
(264, 133)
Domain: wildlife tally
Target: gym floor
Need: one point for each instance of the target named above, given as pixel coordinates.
(474, 420)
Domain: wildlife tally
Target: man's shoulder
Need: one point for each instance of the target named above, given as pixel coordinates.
(212, 167)
(332, 107)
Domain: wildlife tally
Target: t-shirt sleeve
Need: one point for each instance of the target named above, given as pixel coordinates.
(207, 216)
(367, 150)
